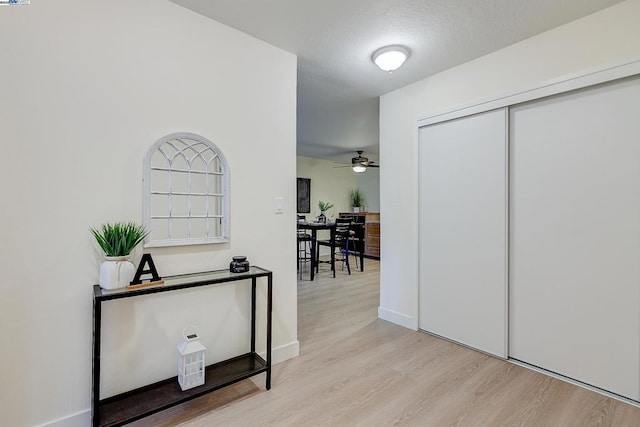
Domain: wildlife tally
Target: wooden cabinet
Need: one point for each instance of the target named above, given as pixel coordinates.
(372, 239)
(371, 223)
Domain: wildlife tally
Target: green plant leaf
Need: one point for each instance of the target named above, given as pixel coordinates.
(324, 206)
(357, 198)
(119, 238)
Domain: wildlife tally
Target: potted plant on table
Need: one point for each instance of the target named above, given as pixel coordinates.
(323, 206)
(118, 240)
(357, 200)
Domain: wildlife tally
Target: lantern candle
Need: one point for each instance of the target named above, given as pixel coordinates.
(191, 366)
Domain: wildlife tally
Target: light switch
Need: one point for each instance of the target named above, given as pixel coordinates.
(278, 205)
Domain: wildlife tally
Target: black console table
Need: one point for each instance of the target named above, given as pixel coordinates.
(139, 403)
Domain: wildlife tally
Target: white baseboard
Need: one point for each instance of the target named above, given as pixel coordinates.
(284, 352)
(79, 419)
(398, 318)
(83, 418)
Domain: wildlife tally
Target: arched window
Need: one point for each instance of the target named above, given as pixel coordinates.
(186, 192)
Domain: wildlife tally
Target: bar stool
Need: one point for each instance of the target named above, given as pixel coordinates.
(304, 248)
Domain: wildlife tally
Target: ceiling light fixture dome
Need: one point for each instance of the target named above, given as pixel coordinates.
(390, 58)
(359, 168)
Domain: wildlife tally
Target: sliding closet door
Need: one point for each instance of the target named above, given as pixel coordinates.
(463, 169)
(575, 235)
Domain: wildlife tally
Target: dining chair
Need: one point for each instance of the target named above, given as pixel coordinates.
(339, 244)
(356, 243)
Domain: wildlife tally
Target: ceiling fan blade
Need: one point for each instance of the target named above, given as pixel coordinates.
(360, 160)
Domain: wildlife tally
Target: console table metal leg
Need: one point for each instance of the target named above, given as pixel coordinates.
(269, 310)
(95, 368)
(253, 315)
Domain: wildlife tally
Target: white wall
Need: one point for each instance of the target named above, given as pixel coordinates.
(330, 182)
(608, 37)
(86, 88)
(369, 183)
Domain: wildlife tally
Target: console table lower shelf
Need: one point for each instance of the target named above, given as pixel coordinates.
(136, 404)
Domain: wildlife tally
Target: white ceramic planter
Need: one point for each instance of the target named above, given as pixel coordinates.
(356, 209)
(116, 272)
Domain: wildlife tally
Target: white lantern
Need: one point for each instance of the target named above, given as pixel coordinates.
(191, 362)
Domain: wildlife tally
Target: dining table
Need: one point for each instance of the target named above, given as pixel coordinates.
(313, 227)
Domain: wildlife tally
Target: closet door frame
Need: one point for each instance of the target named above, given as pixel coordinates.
(556, 86)
(570, 82)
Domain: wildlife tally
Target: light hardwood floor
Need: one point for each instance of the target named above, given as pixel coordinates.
(357, 370)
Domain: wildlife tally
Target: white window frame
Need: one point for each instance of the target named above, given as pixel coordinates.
(223, 236)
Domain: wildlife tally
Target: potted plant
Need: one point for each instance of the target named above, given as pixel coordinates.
(118, 240)
(323, 206)
(357, 200)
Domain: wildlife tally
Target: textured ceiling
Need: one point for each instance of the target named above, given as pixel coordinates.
(338, 85)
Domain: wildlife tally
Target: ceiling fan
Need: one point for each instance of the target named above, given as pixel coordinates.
(360, 164)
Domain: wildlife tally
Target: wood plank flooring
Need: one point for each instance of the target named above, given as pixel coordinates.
(357, 370)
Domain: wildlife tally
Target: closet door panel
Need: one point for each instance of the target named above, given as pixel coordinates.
(575, 235)
(463, 230)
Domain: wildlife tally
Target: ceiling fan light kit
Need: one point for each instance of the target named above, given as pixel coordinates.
(390, 58)
(360, 164)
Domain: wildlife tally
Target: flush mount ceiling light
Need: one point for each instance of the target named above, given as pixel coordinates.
(390, 58)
